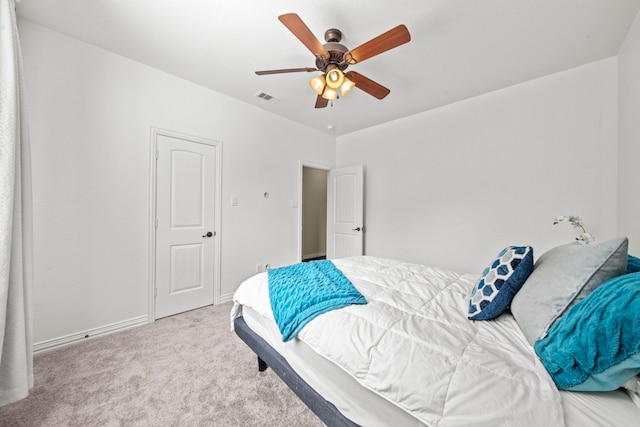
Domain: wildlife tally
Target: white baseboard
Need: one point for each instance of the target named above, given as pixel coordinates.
(226, 297)
(316, 255)
(55, 343)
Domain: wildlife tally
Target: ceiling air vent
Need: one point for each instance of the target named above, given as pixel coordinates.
(266, 97)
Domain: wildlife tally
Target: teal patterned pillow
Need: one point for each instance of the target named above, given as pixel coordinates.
(499, 282)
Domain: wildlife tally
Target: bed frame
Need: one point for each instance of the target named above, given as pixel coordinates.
(268, 357)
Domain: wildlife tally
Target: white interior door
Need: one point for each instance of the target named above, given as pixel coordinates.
(345, 212)
(186, 217)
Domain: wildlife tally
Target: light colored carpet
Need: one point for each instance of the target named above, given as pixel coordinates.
(184, 370)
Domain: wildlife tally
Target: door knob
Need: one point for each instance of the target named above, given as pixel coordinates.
(356, 229)
(209, 234)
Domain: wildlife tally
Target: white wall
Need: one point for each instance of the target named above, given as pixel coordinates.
(90, 115)
(629, 156)
(453, 186)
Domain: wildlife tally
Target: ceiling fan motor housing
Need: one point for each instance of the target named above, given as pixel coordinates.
(335, 49)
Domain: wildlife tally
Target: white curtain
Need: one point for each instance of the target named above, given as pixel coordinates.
(16, 357)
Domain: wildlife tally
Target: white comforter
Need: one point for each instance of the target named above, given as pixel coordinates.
(413, 345)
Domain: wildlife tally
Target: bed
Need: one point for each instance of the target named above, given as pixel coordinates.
(411, 356)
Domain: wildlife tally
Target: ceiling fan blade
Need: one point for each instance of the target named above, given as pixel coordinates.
(286, 70)
(321, 102)
(299, 29)
(366, 84)
(384, 42)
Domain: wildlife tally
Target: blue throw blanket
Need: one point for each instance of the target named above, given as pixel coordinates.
(596, 344)
(300, 292)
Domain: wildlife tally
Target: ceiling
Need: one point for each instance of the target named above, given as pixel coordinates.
(458, 48)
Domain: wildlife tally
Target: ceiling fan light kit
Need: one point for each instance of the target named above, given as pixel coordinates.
(327, 85)
(333, 58)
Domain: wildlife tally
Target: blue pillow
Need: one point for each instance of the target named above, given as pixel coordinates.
(499, 282)
(633, 264)
(595, 346)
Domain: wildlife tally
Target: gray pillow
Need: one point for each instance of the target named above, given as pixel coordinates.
(561, 277)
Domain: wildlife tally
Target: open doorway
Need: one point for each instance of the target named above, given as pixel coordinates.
(314, 213)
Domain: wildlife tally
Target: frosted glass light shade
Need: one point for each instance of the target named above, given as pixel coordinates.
(334, 78)
(330, 93)
(347, 85)
(317, 84)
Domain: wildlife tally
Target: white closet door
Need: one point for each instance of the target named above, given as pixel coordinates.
(185, 227)
(345, 212)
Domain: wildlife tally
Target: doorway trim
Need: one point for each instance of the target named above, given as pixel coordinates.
(151, 295)
(302, 165)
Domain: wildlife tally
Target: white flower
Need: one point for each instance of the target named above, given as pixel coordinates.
(559, 219)
(583, 238)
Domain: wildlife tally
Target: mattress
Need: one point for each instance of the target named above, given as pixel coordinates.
(365, 406)
(359, 404)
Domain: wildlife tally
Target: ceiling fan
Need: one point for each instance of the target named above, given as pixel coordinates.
(333, 58)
